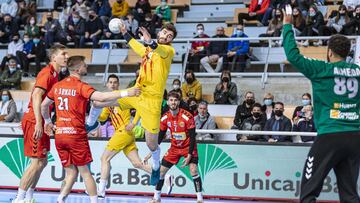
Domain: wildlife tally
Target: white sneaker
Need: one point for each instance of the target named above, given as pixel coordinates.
(31, 201)
(18, 201)
(318, 43)
(101, 195)
(305, 43)
(169, 183)
(155, 200)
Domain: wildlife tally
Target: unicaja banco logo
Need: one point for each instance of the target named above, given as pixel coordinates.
(12, 155)
(211, 158)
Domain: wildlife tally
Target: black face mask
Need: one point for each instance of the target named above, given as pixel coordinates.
(250, 101)
(49, 19)
(16, 40)
(91, 17)
(189, 80)
(278, 113)
(225, 79)
(193, 107)
(278, 16)
(7, 22)
(257, 114)
(342, 14)
(358, 15)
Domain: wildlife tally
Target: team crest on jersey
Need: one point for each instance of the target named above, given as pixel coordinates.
(182, 124)
(169, 124)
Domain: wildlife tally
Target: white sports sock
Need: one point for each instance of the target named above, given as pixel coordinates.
(156, 159)
(93, 115)
(29, 194)
(199, 196)
(157, 195)
(102, 185)
(61, 198)
(93, 199)
(20, 194)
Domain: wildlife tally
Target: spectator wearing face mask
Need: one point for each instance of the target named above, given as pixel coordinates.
(133, 82)
(305, 100)
(176, 84)
(243, 111)
(197, 51)
(21, 55)
(256, 122)
(37, 54)
(120, 9)
(278, 123)
(354, 24)
(8, 27)
(142, 7)
(53, 31)
(31, 28)
(351, 4)
(305, 123)
(132, 25)
(76, 30)
(82, 7)
(314, 21)
(163, 11)
(103, 10)
(11, 77)
(225, 91)
(298, 21)
(257, 10)
(215, 52)
(204, 121)
(238, 51)
(15, 45)
(8, 111)
(192, 88)
(193, 106)
(9, 7)
(149, 24)
(275, 26)
(268, 107)
(94, 28)
(335, 24)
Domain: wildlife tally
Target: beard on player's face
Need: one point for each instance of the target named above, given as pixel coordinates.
(163, 39)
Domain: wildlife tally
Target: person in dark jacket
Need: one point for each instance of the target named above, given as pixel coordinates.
(298, 21)
(103, 10)
(354, 24)
(278, 123)
(11, 78)
(142, 7)
(94, 28)
(314, 21)
(149, 24)
(8, 27)
(254, 123)
(225, 91)
(274, 4)
(305, 124)
(53, 31)
(76, 28)
(243, 111)
(215, 52)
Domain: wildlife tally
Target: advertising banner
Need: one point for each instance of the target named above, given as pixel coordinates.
(227, 170)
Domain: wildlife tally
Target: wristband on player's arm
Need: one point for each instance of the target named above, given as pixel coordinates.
(47, 120)
(162, 134)
(192, 135)
(152, 44)
(127, 37)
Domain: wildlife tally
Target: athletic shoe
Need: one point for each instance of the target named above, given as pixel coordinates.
(155, 201)
(200, 201)
(155, 177)
(169, 182)
(101, 195)
(31, 201)
(92, 128)
(18, 201)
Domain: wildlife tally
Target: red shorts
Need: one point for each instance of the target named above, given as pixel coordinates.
(173, 155)
(73, 151)
(32, 147)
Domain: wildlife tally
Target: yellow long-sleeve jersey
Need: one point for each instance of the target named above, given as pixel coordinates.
(119, 118)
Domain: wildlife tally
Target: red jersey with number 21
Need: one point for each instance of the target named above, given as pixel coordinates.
(179, 126)
(71, 97)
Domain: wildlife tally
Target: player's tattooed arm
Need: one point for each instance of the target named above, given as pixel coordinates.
(48, 125)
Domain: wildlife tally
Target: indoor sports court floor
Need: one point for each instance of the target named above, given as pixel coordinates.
(50, 197)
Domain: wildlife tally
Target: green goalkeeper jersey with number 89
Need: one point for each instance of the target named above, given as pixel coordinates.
(335, 87)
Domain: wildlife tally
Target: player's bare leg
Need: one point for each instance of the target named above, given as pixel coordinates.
(105, 170)
(152, 143)
(135, 160)
(30, 177)
(89, 181)
(197, 181)
(70, 178)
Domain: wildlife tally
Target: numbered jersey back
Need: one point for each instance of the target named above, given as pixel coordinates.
(71, 97)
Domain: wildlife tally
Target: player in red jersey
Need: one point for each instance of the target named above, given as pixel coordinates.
(70, 97)
(36, 142)
(183, 144)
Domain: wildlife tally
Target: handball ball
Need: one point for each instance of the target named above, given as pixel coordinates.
(114, 25)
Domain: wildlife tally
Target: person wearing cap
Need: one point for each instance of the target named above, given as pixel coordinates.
(11, 77)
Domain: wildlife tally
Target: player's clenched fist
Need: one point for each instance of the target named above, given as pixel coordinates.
(134, 92)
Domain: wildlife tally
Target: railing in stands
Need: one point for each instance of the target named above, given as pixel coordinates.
(264, 75)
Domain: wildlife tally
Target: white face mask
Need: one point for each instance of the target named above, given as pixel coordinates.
(12, 69)
(200, 32)
(26, 40)
(32, 22)
(176, 87)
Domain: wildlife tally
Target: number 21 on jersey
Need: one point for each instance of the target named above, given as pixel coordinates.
(63, 103)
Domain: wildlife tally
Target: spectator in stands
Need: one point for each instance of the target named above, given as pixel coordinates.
(298, 21)
(9, 7)
(336, 24)
(37, 54)
(53, 31)
(193, 106)
(351, 5)
(176, 85)
(238, 50)
(293, 4)
(94, 28)
(120, 9)
(255, 122)
(142, 7)
(274, 4)
(198, 49)
(314, 21)
(256, 11)
(243, 111)
(305, 5)
(32, 7)
(15, 45)
(8, 27)
(82, 7)
(192, 88)
(204, 121)
(305, 123)
(31, 28)
(278, 123)
(275, 26)
(225, 91)
(21, 54)
(132, 25)
(22, 13)
(163, 11)
(8, 112)
(149, 24)
(133, 82)
(306, 100)
(76, 30)
(215, 52)
(65, 14)
(103, 10)
(11, 77)
(354, 24)
(268, 107)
